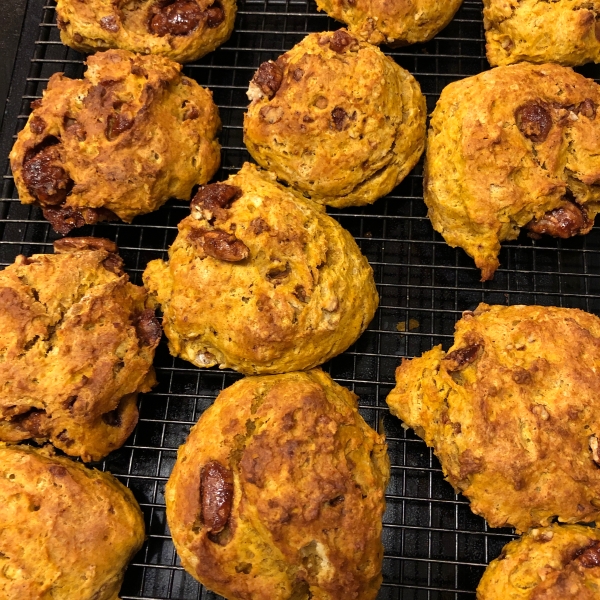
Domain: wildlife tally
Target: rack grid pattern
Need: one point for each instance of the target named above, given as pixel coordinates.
(435, 548)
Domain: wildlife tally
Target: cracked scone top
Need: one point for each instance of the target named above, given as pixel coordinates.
(68, 532)
(77, 342)
(336, 119)
(118, 143)
(562, 31)
(261, 280)
(513, 147)
(278, 493)
(512, 412)
(560, 562)
(182, 30)
(396, 23)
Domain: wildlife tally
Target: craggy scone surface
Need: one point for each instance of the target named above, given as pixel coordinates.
(118, 143)
(66, 532)
(77, 342)
(261, 280)
(336, 119)
(562, 31)
(278, 493)
(559, 562)
(513, 147)
(512, 412)
(182, 30)
(396, 23)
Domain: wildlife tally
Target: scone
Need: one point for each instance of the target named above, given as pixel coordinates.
(261, 280)
(77, 342)
(182, 30)
(116, 144)
(562, 31)
(513, 147)
(395, 23)
(278, 493)
(560, 562)
(336, 119)
(513, 413)
(68, 532)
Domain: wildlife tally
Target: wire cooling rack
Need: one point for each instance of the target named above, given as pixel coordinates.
(435, 548)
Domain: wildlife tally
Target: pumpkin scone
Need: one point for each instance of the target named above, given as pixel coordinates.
(562, 31)
(182, 30)
(118, 143)
(68, 532)
(513, 147)
(560, 562)
(279, 492)
(395, 23)
(77, 342)
(336, 119)
(512, 412)
(261, 280)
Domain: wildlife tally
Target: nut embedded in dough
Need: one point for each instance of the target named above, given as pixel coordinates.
(118, 143)
(77, 342)
(396, 23)
(560, 562)
(182, 30)
(261, 280)
(513, 147)
(278, 492)
(336, 119)
(68, 532)
(562, 31)
(512, 412)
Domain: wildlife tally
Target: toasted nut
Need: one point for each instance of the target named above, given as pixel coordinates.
(216, 495)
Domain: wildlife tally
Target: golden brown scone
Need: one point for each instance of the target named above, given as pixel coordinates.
(337, 119)
(77, 342)
(396, 23)
(68, 532)
(513, 147)
(261, 280)
(118, 143)
(278, 493)
(560, 562)
(512, 412)
(562, 31)
(182, 30)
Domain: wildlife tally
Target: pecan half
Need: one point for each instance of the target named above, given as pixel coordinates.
(219, 244)
(216, 495)
(341, 40)
(589, 557)
(268, 78)
(179, 18)
(459, 359)
(148, 328)
(216, 197)
(534, 121)
(564, 222)
(74, 244)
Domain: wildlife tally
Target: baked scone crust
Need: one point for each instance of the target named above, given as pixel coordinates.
(395, 23)
(299, 293)
(120, 142)
(77, 342)
(68, 532)
(560, 562)
(512, 147)
(307, 498)
(189, 28)
(563, 31)
(512, 412)
(345, 125)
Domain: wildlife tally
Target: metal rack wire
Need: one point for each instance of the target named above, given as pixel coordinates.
(435, 548)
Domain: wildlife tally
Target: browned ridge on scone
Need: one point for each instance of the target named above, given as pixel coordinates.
(512, 412)
(116, 144)
(278, 493)
(77, 342)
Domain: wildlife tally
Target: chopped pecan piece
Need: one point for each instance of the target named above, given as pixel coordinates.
(589, 557)
(212, 198)
(216, 496)
(340, 117)
(148, 328)
(37, 124)
(75, 244)
(215, 15)
(219, 244)
(178, 18)
(341, 40)
(459, 359)
(116, 124)
(534, 121)
(65, 218)
(564, 222)
(268, 78)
